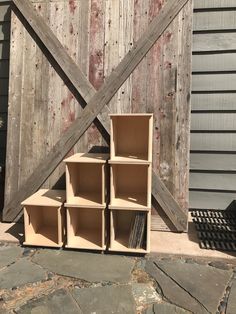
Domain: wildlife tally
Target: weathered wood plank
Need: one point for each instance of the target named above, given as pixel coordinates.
(214, 62)
(213, 142)
(213, 181)
(164, 198)
(213, 122)
(210, 200)
(27, 108)
(112, 84)
(213, 82)
(214, 4)
(111, 52)
(139, 77)
(213, 102)
(183, 87)
(13, 133)
(214, 42)
(218, 162)
(216, 20)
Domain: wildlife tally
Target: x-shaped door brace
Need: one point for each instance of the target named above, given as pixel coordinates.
(96, 105)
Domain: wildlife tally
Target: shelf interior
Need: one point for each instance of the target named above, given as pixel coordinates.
(130, 137)
(121, 224)
(42, 227)
(129, 185)
(85, 184)
(85, 228)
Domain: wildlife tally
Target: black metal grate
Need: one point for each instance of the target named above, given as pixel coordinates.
(216, 229)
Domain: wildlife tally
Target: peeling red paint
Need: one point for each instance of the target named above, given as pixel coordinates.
(72, 116)
(167, 37)
(72, 6)
(168, 65)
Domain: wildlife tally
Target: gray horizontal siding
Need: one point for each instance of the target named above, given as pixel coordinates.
(213, 122)
(213, 142)
(214, 4)
(213, 102)
(214, 42)
(210, 200)
(214, 62)
(213, 181)
(215, 162)
(214, 82)
(218, 20)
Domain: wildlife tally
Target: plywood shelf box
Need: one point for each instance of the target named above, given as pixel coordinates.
(130, 182)
(44, 218)
(131, 138)
(121, 224)
(86, 180)
(130, 186)
(86, 228)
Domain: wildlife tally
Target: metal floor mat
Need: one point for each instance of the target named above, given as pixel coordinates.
(216, 229)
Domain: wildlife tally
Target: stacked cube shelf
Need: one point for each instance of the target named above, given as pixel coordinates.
(86, 200)
(44, 218)
(131, 166)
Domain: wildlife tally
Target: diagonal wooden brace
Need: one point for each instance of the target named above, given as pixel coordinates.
(96, 104)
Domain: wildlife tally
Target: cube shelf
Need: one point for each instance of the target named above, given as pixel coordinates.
(131, 138)
(130, 186)
(121, 225)
(86, 228)
(86, 180)
(44, 218)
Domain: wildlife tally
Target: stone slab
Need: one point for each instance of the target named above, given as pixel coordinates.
(20, 273)
(86, 266)
(231, 306)
(165, 308)
(172, 292)
(145, 294)
(9, 254)
(198, 280)
(106, 300)
(59, 302)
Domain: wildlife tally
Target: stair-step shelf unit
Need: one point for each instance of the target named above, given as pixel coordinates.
(44, 218)
(130, 181)
(86, 201)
